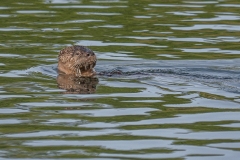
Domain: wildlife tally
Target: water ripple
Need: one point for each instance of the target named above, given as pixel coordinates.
(209, 26)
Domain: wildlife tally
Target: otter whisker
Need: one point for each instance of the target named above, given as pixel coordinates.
(78, 71)
(80, 65)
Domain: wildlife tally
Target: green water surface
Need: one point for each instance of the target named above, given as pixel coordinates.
(192, 114)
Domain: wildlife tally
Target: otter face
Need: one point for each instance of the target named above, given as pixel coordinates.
(78, 60)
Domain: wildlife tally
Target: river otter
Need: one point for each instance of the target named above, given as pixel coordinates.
(77, 60)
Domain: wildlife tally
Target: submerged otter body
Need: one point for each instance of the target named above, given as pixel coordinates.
(77, 60)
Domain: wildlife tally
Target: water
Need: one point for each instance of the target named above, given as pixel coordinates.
(168, 84)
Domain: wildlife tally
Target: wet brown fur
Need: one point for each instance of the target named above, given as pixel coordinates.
(77, 60)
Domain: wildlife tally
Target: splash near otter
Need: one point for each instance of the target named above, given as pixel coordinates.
(77, 60)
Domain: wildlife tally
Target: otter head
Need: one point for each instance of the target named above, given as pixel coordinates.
(77, 60)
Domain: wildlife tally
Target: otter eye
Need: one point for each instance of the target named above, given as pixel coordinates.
(88, 54)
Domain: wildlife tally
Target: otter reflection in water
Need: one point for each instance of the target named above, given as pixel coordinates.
(76, 70)
(73, 84)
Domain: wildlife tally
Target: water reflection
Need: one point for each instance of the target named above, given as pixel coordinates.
(74, 84)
